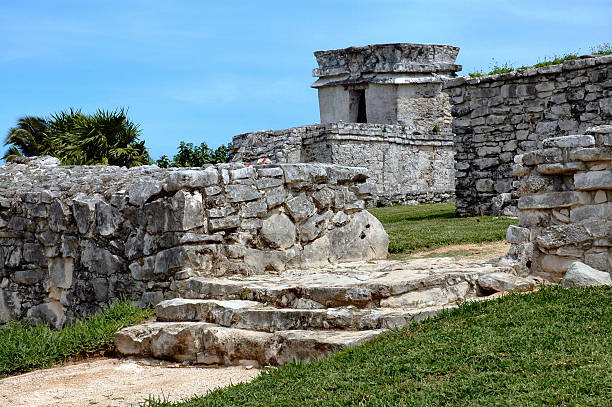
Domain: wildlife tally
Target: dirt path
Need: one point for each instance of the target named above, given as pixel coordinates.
(481, 251)
(115, 382)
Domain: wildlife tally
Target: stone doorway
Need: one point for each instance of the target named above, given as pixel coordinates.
(357, 107)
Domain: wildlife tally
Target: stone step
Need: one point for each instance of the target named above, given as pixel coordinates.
(255, 316)
(205, 343)
(387, 284)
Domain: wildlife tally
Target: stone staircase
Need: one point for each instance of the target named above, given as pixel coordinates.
(272, 319)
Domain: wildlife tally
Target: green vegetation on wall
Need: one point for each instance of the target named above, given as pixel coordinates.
(500, 68)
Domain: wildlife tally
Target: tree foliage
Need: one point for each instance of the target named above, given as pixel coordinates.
(189, 155)
(105, 137)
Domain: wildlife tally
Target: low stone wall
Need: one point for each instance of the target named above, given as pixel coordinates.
(499, 116)
(74, 238)
(565, 205)
(405, 166)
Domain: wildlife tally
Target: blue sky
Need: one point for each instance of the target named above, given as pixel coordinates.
(205, 71)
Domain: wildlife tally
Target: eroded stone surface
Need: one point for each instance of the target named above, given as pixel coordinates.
(304, 313)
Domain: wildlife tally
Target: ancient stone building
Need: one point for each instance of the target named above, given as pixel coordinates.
(382, 107)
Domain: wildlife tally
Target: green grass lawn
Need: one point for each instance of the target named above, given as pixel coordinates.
(429, 226)
(24, 348)
(548, 348)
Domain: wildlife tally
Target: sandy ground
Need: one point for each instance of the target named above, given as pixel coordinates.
(115, 382)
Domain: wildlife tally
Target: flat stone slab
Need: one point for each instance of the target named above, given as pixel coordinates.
(258, 317)
(355, 283)
(204, 343)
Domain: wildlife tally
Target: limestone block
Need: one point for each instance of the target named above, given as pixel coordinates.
(485, 185)
(505, 282)
(143, 269)
(569, 141)
(141, 192)
(548, 200)
(229, 222)
(108, 219)
(83, 210)
(241, 173)
(593, 180)
(555, 265)
(597, 259)
(579, 274)
(192, 179)
(312, 228)
(259, 260)
(583, 212)
(241, 193)
(255, 209)
(99, 260)
(427, 298)
(516, 235)
(28, 277)
(57, 215)
(100, 288)
(278, 231)
(275, 196)
(362, 238)
(187, 211)
(60, 271)
(300, 207)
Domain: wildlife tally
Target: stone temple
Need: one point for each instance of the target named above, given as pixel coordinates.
(381, 107)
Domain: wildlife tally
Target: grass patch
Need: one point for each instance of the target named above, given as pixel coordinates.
(550, 348)
(498, 68)
(429, 226)
(24, 347)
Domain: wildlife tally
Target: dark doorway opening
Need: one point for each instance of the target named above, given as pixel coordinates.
(357, 109)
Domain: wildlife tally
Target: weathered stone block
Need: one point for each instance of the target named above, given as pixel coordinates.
(579, 274)
(241, 193)
(300, 207)
(593, 180)
(60, 271)
(552, 200)
(278, 231)
(517, 235)
(192, 179)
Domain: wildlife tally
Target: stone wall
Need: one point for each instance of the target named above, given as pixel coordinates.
(499, 116)
(74, 238)
(565, 205)
(405, 166)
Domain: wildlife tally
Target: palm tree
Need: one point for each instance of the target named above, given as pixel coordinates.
(106, 137)
(29, 138)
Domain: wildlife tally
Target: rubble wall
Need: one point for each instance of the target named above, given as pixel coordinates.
(565, 205)
(499, 116)
(405, 166)
(74, 238)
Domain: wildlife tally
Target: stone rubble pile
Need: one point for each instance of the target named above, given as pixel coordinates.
(565, 206)
(74, 238)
